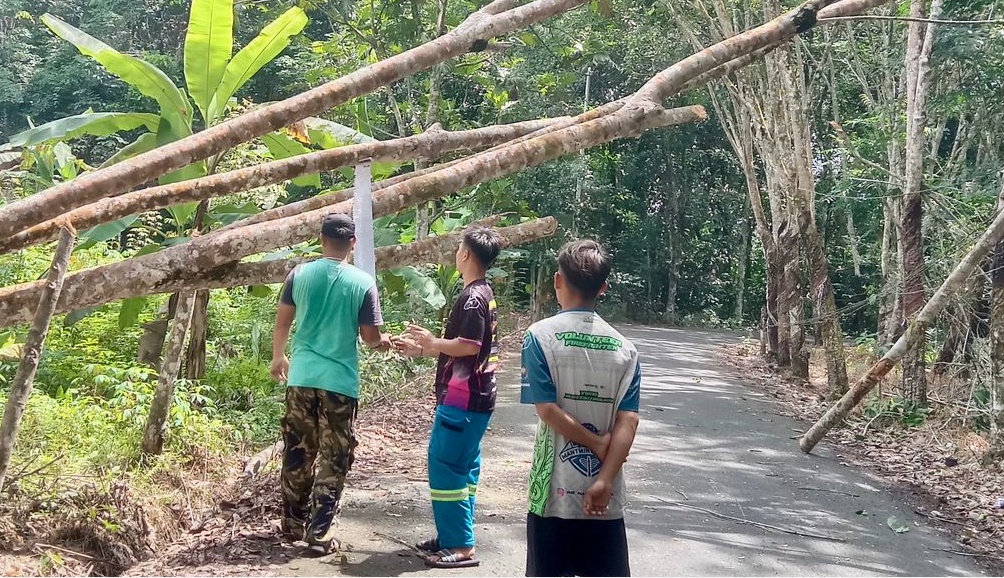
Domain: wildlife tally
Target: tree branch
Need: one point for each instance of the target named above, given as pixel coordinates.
(34, 343)
(145, 167)
(426, 145)
(932, 309)
(909, 19)
(431, 250)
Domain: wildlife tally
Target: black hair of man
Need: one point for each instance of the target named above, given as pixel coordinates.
(484, 243)
(585, 265)
(339, 229)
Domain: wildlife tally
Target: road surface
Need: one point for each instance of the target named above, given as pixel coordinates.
(711, 453)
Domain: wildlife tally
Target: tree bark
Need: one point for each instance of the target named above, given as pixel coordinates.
(852, 240)
(744, 257)
(195, 353)
(34, 344)
(433, 250)
(928, 315)
(802, 203)
(826, 311)
(889, 309)
(144, 274)
(151, 343)
(490, 21)
(672, 213)
(920, 41)
(997, 344)
(794, 303)
(160, 408)
(430, 144)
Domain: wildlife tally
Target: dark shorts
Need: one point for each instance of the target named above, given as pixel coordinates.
(559, 547)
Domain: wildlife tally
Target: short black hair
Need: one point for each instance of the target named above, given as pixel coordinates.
(585, 265)
(485, 243)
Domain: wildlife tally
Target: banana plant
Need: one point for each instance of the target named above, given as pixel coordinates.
(213, 75)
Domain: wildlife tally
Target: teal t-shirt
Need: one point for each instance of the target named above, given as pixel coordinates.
(332, 299)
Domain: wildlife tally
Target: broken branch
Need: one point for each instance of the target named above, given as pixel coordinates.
(751, 522)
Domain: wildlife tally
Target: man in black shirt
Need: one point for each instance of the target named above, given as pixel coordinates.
(465, 397)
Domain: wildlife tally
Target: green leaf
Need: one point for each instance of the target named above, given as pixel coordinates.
(362, 117)
(145, 142)
(73, 316)
(182, 213)
(261, 291)
(170, 129)
(129, 313)
(143, 76)
(896, 526)
(147, 249)
(106, 231)
(329, 134)
(10, 349)
(92, 123)
(208, 45)
(272, 40)
(228, 213)
(423, 286)
(282, 147)
(65, 161)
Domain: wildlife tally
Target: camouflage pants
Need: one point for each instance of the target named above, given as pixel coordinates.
(317, 427)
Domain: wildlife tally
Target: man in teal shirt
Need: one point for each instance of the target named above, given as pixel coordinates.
(333, 303)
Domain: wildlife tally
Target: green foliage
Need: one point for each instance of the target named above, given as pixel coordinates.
(208, 46)
(88, 123)
(896, 409)
(141, 75)
(259, 52)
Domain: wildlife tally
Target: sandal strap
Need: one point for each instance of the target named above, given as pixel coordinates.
(432, 545)
(447, 555)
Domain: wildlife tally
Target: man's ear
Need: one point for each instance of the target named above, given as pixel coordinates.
(603, 288)
(559, 281)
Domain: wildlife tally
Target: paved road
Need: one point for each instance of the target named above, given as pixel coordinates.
(706, 441)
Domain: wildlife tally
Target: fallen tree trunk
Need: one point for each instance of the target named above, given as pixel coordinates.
(150, 273)
(492, 20)
(917, 327)
(34, 343)
(428, 145)
(114, 180)
(262, 458)
(431, 250)
(335, 197)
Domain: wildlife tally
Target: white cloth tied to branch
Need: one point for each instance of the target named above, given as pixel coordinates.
(362, 215)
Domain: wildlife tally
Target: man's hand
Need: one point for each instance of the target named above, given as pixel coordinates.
(406, 346)
(280, 368)
(597, 498)
(422, 336)
(386, 342)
